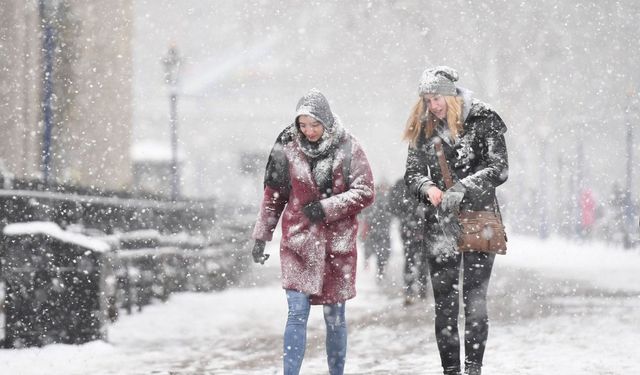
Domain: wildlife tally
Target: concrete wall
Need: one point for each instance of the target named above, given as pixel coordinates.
(20, 89)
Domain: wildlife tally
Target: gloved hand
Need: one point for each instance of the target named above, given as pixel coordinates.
(313, 211)
(258, 252)
(450, 225)
(452, 198)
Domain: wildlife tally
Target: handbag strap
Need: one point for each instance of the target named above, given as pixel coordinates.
(444, 166)
(448, 180)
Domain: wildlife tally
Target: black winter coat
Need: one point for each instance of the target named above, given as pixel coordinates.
(478, 160)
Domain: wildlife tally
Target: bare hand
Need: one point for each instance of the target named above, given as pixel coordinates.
(435, 195)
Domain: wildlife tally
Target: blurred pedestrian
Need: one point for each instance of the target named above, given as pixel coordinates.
(411, 214)
(472, 138)
(376, 228)
(587, 212)
(318, 178)
(623, 211)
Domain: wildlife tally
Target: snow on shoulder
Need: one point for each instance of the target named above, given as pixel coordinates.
(54, 231)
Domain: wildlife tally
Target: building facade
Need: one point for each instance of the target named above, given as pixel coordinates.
(90, 100)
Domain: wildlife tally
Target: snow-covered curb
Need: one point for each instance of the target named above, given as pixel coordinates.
(54, 231)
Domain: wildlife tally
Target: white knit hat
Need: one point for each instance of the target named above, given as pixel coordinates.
(438, 80)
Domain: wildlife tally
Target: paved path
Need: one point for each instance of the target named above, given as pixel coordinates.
(541, 323)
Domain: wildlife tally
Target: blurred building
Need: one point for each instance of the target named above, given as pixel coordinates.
(152, 167)
(91, 90)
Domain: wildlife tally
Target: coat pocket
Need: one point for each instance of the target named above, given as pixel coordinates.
(306, 242)
(342, 236)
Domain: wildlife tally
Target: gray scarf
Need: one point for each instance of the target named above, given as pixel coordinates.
(321, 154)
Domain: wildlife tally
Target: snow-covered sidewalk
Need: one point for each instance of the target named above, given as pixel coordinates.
(556, 308)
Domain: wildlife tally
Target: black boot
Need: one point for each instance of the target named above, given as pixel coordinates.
(453, 370)
(472, 370)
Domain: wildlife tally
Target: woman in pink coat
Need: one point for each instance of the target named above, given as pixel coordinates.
(318, 179)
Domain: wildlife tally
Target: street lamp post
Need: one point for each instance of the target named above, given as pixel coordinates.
(171, 64)
(629, 145)
(543, 132)
(46, 10)
(629, 209)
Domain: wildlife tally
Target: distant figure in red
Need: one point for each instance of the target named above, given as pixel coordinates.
(588, 211)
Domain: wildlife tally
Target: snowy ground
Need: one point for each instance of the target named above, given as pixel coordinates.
(555, 307)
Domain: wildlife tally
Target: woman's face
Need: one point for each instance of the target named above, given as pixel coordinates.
(310, 127)
(437, 105)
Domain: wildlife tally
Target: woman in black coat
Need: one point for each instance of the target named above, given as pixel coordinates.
(472, 139)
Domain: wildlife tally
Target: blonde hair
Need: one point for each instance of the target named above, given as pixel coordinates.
(421, 121)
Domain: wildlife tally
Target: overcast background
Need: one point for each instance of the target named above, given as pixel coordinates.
(564, 77)
(561, 74)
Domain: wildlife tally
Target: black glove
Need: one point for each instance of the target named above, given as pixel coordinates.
(313, 211)
(258, 252)
(452, 198)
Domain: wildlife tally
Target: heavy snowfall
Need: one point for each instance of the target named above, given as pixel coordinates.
(134, 136)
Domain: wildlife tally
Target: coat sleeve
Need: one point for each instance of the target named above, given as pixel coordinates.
(277, 186)
(494, 163)
(360, 193)
(417, 174)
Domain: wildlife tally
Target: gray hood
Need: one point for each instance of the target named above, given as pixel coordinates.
(314, 104)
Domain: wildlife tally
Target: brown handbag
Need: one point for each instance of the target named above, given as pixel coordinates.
(480, 230)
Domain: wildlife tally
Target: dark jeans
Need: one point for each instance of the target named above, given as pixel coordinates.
(445, 275)
(380, 246)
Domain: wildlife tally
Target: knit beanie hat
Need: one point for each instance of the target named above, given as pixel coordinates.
(438, 80)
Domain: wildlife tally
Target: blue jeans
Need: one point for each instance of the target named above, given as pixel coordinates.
(295, 334)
